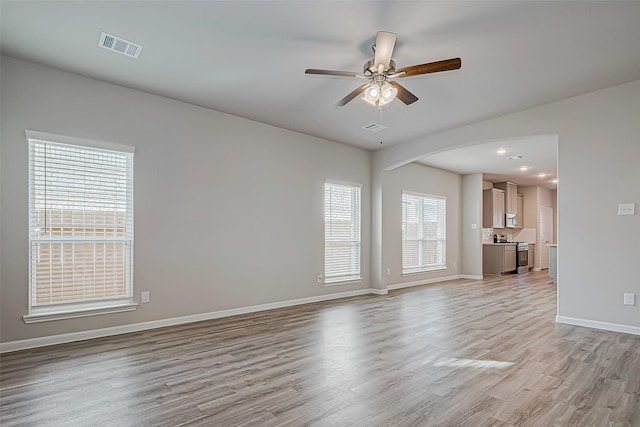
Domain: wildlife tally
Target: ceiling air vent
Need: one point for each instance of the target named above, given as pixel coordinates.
(373, 127)
(119, 45)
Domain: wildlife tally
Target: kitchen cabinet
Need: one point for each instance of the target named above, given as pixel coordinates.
(511, 196)
(493, 208)
(520, 212)
(499, 258)
(532, 255)
(510, 259)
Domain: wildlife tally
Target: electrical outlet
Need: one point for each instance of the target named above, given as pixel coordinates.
(388, 271)
(319, 278)
(629, 299)
(454, 263)
(144, 296)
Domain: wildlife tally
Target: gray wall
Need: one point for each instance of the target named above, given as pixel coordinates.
(598, 152)
(471, 247)
(421, 179)
(199, 172)
(207, 187)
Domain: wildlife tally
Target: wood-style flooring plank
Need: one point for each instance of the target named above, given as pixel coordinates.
(457, 353)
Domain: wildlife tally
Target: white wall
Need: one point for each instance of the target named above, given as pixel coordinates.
(228, 212)
(554, 206)
(421, 179)
(536, 197)
(598, 152)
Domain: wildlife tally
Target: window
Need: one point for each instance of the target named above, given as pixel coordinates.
(341, 232)
(423, 233)
(81, 228)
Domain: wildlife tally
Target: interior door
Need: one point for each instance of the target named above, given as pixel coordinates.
(546, 235)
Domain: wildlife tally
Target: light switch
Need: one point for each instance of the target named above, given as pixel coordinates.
(626, 208)
(629, 299)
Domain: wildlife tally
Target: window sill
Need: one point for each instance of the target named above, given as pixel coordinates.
(427, 270)
(74, 313)
(348, 281)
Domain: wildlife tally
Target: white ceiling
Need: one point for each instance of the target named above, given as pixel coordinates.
(248, 58)
(539, 155)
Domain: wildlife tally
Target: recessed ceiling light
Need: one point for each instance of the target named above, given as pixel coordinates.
(554, 181)
(524, 168)
(542, 175)
(502, 151)
(518, 157)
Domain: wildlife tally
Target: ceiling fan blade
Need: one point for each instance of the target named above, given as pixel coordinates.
(431, 67)
(403, 94)
(385, 43)
(351, 95)
(330, 72)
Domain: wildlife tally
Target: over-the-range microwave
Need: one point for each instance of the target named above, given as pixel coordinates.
(510, 221)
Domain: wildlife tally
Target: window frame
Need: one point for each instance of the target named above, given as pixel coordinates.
(350, 278)
(441, 242)
(85, 308)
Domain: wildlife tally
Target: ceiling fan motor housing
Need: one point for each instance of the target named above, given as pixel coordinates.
(371, 68)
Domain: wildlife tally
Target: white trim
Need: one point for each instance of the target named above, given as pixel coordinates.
(343, 183)
(422, 282)
(70, 140)
(425, 195)
(596, 324)
(136, 327)
(470, 276)
(58, 314)
(420, 270)
(328, 283)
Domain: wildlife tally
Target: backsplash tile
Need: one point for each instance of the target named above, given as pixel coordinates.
(523, 235)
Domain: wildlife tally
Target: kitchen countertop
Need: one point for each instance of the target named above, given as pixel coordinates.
(508, 243)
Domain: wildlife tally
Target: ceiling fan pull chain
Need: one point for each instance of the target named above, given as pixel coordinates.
(380, 109)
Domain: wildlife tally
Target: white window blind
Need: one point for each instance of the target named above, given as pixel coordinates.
(81, 225)
(423, 233)
(341, 232)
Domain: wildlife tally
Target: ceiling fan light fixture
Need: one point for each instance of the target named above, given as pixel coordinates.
(379, 95)
(387, 93)
(371, 94)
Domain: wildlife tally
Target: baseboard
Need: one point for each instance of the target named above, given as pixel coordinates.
(143, 326)
(422, 282)
(470, 276)
(595, 324)
(378, 291)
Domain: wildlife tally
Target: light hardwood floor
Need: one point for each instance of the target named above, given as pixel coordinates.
(464, 352)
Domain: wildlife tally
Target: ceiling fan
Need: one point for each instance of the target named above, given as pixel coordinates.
(380, 89)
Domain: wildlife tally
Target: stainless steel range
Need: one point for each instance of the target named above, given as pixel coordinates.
(522, 257)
